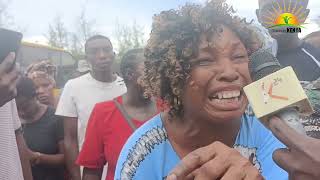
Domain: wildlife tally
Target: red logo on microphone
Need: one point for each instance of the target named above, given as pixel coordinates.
(269, 94)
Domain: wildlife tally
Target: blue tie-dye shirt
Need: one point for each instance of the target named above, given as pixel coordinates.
(148, 153)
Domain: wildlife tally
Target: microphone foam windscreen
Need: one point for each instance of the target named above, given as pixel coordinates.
(262, 63)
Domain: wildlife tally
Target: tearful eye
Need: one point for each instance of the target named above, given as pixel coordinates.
(240, 58)
(205, 62)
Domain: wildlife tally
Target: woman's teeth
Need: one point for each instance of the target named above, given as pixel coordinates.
(222, 95)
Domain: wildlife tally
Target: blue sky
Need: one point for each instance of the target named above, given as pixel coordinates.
(35, 15)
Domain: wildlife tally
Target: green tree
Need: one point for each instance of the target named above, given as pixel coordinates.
(76, 47)
(128, 37)
(85, 28)
(58, 34)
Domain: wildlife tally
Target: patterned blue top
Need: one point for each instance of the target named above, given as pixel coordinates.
(148, 153)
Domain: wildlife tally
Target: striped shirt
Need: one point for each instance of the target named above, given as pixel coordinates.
(10, 165)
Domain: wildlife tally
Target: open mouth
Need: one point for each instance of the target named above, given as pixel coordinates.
(43, 98)
(227, 99)
(226, 95)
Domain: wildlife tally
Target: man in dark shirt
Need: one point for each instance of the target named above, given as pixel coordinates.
(292, 51)
(43, 133)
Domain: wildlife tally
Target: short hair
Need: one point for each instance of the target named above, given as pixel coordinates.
(174, 41)
(129, 61)
(98, 36)
(26, 88)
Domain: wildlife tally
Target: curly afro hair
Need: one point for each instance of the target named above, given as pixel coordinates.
(174, 40)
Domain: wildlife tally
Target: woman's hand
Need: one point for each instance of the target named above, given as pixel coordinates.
(34, 157)
(216, 161)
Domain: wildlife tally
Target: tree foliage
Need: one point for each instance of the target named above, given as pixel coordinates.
(6, 20)
(128, 37)
(58, 34)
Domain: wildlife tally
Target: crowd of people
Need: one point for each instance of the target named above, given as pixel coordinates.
(177, 111)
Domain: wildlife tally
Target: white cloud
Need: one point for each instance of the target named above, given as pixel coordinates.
(36, 39)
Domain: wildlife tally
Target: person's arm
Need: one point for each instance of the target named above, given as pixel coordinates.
(21, 144)
(24, 157)
(50, 159)
(92, 156)
(92, 174)
(67, 109)
(71, 146)
(301, 158)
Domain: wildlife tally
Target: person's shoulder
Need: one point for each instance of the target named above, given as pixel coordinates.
(258, 133)
(253, 131)
(250, 121)
(311, 49)
(7, 109)
(51, 111)
(50, 115)
(105, 107)
(140, 145)
(154, 125)
(104, 112)
(153, 129)
(7, 105)
(78, 81)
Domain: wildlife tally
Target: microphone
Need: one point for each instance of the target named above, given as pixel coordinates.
(276, 91)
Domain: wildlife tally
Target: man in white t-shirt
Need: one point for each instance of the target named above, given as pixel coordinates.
(14, 161)
(81, 94)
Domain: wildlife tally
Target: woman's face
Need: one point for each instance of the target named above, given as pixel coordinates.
(44, 89)
(214, 89)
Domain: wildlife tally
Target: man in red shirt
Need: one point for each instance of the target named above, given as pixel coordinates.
(112, 122)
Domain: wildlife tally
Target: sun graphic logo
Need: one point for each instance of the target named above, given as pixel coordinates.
(287, 18)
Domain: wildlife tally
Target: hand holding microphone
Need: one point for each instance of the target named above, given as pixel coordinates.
(301, 158)
(278, 109)
(276, 91)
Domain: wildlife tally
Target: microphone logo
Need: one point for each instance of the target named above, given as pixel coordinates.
(267, 95)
